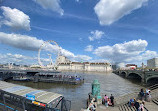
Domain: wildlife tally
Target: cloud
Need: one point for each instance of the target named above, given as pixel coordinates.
(120, 65)
(33, 44)
(20, 41)
(15, 58)
(77, 0)
(144, 56)
(132, 51)
(109, 11)
(80, 58)
(100, 60)
(96, 35)
(80, 39)
(89, 48)
(15, 18)
(53, 5)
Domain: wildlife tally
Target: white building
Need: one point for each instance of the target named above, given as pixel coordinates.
(66, 64)
(152, 63)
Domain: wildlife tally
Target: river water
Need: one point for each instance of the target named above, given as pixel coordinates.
(109, 83)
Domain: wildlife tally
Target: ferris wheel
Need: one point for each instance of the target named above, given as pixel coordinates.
(43, 45)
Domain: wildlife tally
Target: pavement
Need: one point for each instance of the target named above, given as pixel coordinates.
(104, 108)
(149, 105)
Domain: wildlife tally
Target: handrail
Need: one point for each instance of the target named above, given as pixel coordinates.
(8, 107)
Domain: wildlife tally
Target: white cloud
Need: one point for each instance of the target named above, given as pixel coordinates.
(53, 5)
(77, 0)
(80, 39)
(121, 65)
(109, 11)
(143, 57)
(100, 60)
(80, 58)
(15, 18)
(96, 35)
(20, 41)
(89, 48)
(132, 51)
(15, 58)
(32, 43)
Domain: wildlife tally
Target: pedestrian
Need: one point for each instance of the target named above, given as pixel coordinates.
(148, 95)
(93, 104)
(112, 100)
(136, 104)
(141, 93)
(106, 100)
(141, 108)
(149, 99)
(109, 102)
(130, 101)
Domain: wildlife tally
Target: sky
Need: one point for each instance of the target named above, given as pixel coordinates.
(115, 31)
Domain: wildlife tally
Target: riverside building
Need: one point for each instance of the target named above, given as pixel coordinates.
(152, 63)
(65, 64)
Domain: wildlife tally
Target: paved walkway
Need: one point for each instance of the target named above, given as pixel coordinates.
(103, 108)
(149, 105)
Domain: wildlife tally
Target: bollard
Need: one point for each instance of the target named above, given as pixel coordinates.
(96, 91)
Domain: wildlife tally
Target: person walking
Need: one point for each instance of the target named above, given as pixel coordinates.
(106, 100)
(141, 108)
(136, 104)
(141, 93)
(112, 100)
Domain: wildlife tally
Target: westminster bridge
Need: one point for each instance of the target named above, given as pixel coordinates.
(144, 76)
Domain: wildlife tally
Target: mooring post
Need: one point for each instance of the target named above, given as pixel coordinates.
(96, 91)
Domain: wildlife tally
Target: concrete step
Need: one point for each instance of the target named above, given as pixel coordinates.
(155, 101)
(125, 107)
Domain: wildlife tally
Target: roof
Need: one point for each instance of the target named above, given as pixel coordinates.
(40, 95)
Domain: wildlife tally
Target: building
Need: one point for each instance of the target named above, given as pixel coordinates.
(114, 67)
(152, 63)
(65, 64)
(131, 66)
(62, 59)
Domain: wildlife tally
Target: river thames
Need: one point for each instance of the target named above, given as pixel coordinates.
(78, 94)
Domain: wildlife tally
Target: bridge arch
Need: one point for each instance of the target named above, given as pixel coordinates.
(123, 73)
(134, 75)
(151, 77)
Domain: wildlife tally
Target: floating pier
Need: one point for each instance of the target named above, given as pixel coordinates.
(58, 78)
(25, 98)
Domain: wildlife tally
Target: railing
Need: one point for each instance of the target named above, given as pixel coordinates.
(7, 108)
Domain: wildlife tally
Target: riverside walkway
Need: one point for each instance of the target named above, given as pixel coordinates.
(121, 103)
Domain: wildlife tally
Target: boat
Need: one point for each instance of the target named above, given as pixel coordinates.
(21, 78)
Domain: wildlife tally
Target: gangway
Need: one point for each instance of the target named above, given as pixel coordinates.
(22, 98)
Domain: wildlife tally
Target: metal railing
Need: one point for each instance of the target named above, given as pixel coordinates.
(6, 108)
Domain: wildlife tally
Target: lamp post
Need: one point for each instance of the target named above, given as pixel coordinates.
(142, 66)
